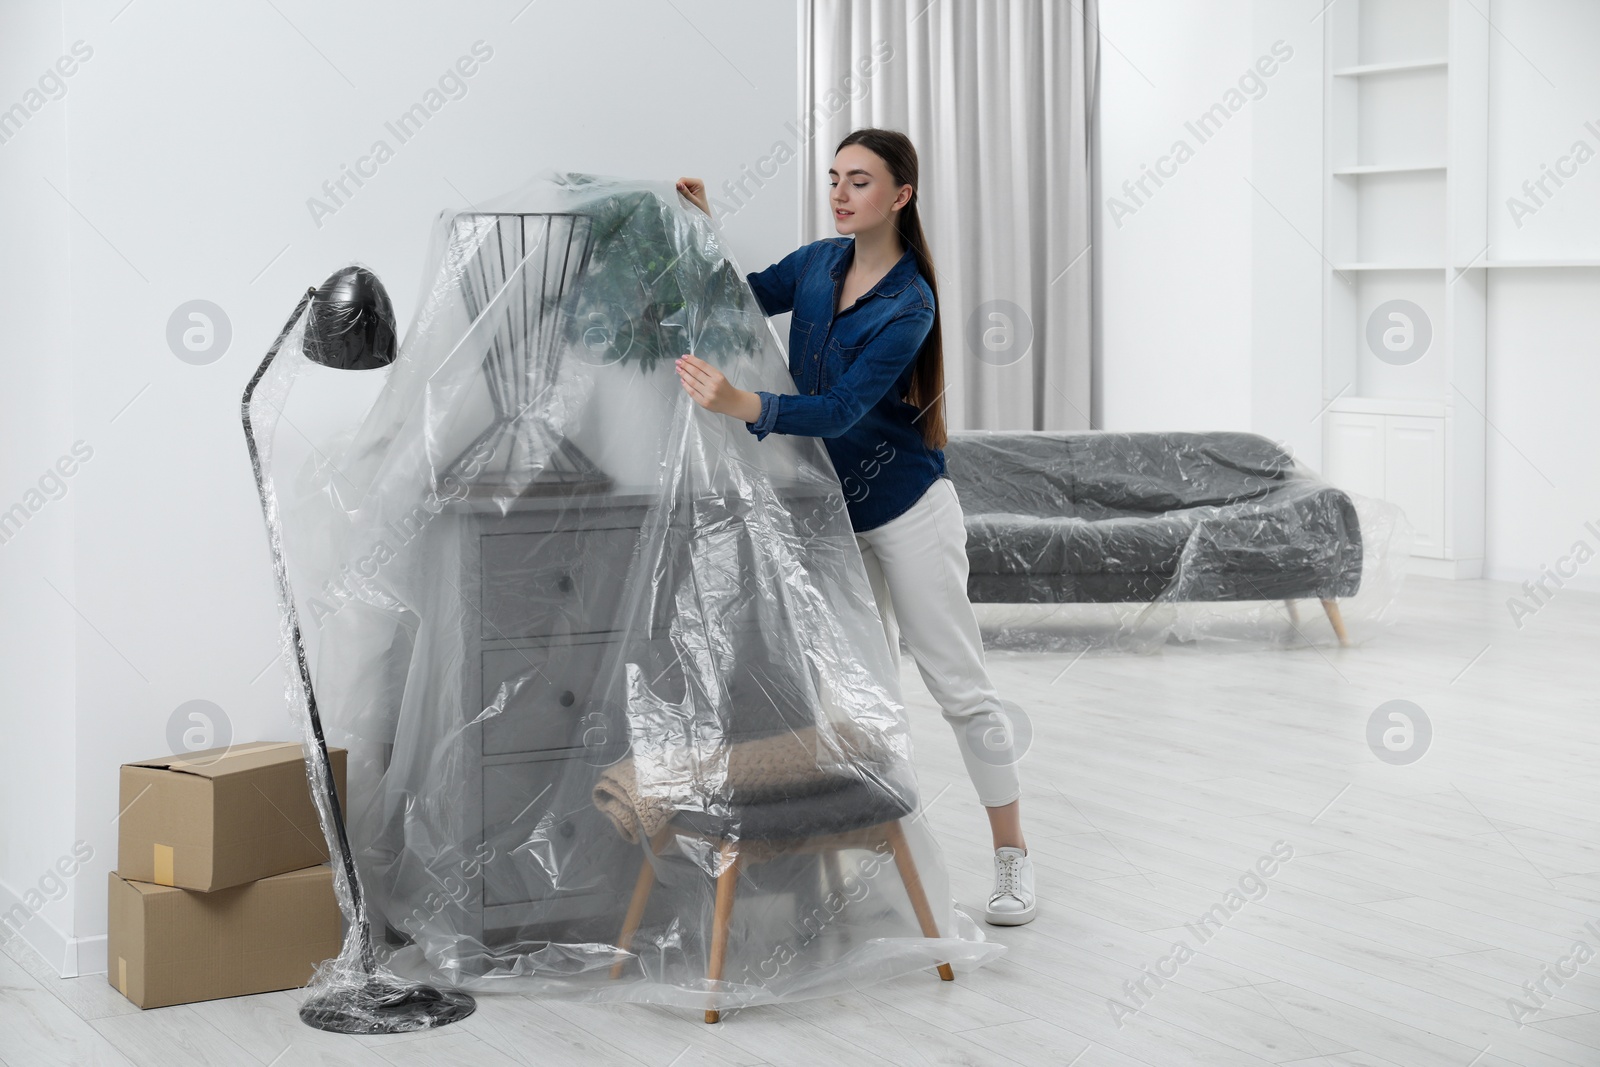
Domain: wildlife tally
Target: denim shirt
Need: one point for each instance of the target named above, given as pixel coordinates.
(852, 370)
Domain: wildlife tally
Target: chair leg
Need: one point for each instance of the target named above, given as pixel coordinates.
(1294, 613)
(913, 883)
(833, 876)
(630, 924)
(1332, 608)
(727, 880)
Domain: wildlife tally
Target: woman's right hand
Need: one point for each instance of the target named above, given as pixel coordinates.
(695, 190)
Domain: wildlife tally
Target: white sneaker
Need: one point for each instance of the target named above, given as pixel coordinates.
(1012, 903)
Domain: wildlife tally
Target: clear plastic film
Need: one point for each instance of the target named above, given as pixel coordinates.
(621, 718)
(1135, 541)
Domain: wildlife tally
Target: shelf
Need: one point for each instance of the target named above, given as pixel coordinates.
(1391, 68)
(1388, 266)
(1387, 169)
(1537, 263)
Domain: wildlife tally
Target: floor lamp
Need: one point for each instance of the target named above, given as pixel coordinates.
(350, 327)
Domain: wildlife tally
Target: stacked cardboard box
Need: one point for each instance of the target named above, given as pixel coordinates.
(222, 886)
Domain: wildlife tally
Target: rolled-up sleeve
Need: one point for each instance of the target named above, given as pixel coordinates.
(873, 373)
(774, 287)
(769, 411)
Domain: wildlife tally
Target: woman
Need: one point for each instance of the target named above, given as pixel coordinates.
(865, 352)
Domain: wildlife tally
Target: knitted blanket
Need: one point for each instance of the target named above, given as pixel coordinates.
(785, 765)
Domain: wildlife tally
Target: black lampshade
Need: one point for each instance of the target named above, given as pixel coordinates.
(351, 322)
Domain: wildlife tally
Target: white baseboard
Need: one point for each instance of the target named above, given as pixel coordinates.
(40, 935)
(88, 955)
(1582, 582)
(71, 957)
(1428, 567)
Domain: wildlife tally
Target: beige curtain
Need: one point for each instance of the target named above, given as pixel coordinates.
(998, 97)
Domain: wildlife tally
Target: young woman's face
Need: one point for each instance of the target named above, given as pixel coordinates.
(864, 195)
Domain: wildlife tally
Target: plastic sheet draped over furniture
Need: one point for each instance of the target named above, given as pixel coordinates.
(554, 605)
(1143, 538)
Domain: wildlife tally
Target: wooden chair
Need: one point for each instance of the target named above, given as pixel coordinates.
(856, 815)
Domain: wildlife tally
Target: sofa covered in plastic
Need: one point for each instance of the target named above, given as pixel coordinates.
(1097, 517)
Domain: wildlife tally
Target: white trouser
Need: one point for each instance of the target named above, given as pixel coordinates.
(917, 563)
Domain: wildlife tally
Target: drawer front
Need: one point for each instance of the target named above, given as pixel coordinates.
(556, 582)
(548, 838)
(555, 693)
(547, 695)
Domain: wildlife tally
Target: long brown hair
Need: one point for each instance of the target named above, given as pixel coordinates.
(927, 376)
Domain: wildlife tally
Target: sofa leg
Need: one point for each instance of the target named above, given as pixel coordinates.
(1332, 608)
(1294, 613)
(1143, 614)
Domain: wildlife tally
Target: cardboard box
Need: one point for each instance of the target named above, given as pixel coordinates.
(219, 818)
(173, 946)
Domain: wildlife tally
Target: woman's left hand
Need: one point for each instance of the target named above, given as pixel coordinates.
(714, 392)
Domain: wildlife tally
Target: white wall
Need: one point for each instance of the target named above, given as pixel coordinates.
(1174, 277)
(1544, 377)
(1210, 291)
(38, 630)
(1286, 232)
(197, 133)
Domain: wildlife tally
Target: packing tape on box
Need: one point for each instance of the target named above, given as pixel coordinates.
(122, 976)
(163, 865)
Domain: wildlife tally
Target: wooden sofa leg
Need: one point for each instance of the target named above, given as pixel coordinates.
(1332, 608)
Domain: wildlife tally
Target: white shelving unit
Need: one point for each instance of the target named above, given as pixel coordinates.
(1406, 291)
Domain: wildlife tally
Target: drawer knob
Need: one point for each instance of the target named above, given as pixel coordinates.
(564, 583)
(567, 829)
(567, 698)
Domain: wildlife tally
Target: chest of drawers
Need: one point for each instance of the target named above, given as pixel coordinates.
(546, 623)
(550, 624)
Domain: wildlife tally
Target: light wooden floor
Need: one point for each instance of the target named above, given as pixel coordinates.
(1417, 901)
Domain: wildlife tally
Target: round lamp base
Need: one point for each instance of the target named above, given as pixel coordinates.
(383, 1007)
